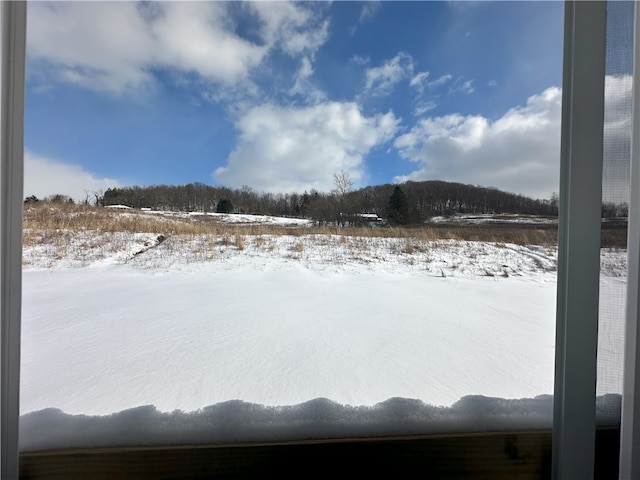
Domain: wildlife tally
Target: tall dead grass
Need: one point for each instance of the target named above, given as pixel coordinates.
(45, 222)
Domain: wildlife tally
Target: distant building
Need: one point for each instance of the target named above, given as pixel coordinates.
(371, 218)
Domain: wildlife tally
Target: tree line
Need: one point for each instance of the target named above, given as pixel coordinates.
(408, 203)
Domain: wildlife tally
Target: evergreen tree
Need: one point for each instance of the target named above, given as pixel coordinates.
(398, 207)
(224, 206)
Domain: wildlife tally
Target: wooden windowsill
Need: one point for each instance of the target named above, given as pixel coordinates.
(495, 455)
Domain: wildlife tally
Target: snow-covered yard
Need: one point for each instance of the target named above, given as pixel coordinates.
(329, 329)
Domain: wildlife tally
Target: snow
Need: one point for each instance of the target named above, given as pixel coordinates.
(120, 207)
(237, 218)
(139, 341)
(283, 337)
(476, 219)
(237, 421)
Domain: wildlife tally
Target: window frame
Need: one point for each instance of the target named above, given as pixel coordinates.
(630, 415)
(13, 17)
(579, 219)
(578, 257)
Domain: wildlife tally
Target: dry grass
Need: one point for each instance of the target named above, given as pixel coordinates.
(50, 223)
(240, 244)
(614, 237)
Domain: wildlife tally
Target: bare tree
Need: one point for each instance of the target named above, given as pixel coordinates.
(342, 183)
(342, 186)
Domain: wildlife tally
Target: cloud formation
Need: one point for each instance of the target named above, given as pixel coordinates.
(369, 9)
(518, 152)
(117, 47)
(459, 85)
(380, 81)
(419, 80)
(617, 138)
(294, 28)
(423, 107)
(438, 82)
(284, 149)
(303, 86)
(44, 176)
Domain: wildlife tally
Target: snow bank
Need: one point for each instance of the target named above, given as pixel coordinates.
(237, 421)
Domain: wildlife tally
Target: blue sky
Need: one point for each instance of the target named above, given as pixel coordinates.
(280, 96)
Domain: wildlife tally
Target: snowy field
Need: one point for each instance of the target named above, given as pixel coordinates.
(279, 336)
(469, 219)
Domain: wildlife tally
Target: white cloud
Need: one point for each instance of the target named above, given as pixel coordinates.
(360, 60)
(369, 9)
(295, 28)
(381, 80)
(294, 149)
(518, 152)
(115, 46)
(617, 138)
(462, 85)
(418, 81)
(422, 108)
(196, 37)
(303, 86)
(618, 103)
(101, 46)
(304, 72)
(44, 176)
(441, 80)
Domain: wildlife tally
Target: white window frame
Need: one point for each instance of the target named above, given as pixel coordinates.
(578, 243)
(630, 415)
(13, 17)
(579, 219)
